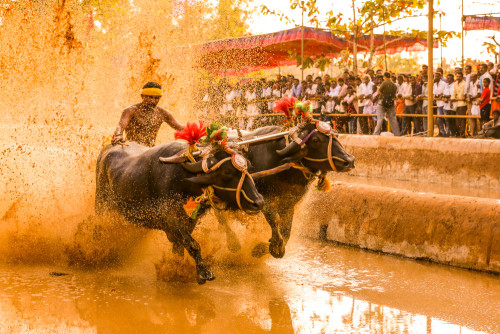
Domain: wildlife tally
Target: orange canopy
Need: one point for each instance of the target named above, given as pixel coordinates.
(247, 54)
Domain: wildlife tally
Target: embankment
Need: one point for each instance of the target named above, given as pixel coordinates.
(464, 162)
(460, 231)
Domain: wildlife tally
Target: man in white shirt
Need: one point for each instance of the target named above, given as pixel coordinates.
(365, 91)
(473, 95)
(425, 102)
(296, 89)
(483, 73)
(449, 106)
(267, 93)
(438, 89)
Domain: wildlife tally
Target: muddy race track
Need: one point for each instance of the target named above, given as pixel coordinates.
(63, 270)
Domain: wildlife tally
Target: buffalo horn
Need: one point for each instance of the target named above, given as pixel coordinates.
(196, 167)
(289, 149)
(173, 160)
(193, 167)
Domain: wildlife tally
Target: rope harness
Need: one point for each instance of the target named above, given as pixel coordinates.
(308, 174)
(240, 163)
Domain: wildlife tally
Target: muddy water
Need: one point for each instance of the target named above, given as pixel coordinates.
(316, 288)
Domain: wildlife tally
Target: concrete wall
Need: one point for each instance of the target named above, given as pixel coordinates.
(469, 162)
(454, 230)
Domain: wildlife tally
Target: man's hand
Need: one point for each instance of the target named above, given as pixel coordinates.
(117, 139)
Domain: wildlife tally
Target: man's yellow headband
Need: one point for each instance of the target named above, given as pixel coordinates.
(151, 91)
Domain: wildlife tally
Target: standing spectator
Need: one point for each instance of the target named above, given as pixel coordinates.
(438, 89)
(370, 107)
(467, 73)
(267, 93)
(328, 104)
(449, 106)
(473, 96)
(495, 94)
(483, 74)
(319, 92)
(287, 89)
(458, 96)
(365, 98)
(387, 92)
(401, 85)
(326, 78)
(425, 101)
(343, 89)
(410, 93)
(354, 106)
(296, 89)
(485, 102)
(276, 91)
(252, 109)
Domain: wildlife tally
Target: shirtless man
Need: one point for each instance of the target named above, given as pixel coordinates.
(142, 121)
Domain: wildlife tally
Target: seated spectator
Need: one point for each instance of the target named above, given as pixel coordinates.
(491, 129)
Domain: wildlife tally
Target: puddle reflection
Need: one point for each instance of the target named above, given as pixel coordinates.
(306, 292)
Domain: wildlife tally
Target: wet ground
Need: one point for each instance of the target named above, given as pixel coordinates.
(317, 288)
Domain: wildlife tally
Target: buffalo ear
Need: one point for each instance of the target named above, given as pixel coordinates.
(204, 179)
(295, 157)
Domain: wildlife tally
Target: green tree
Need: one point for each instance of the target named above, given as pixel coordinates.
(229, 19)
(371, 15)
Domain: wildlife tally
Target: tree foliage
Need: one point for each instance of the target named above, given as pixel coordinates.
(371, 15)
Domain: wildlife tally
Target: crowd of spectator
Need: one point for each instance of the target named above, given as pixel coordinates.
(336, 100)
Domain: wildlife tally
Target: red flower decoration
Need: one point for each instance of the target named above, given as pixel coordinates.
(192, 133)
(285, 105)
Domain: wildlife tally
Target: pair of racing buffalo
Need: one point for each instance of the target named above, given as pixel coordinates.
(135, 181)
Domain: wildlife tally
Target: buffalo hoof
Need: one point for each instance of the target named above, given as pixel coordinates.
(204, 274)
(178, 249)
(260, 250)
(277, 247)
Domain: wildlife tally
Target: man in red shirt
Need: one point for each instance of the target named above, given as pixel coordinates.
(485, 102)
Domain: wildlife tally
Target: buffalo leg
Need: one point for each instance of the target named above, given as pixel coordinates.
(286, 219)
(276, 243)
(203, 272)
(233, 244)
(177, 246)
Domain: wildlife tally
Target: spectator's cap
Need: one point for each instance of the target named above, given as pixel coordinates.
(496, 111)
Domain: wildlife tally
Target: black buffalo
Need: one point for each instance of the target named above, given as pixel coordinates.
(283, 190)
(132, 180)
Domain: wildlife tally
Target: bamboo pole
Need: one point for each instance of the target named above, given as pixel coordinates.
(430, 71)
(463, 19)
(302, 45)
(355, 47)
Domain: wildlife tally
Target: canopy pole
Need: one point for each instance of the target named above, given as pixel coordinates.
(302, 45)
(463, 20)
(385, 45)
(355, 47)
(440, 44)
(430, 72)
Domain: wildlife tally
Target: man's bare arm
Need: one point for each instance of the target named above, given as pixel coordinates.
(170, 120)
(124, 120)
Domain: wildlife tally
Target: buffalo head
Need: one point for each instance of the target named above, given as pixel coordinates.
(313, 142)
(228, 175)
